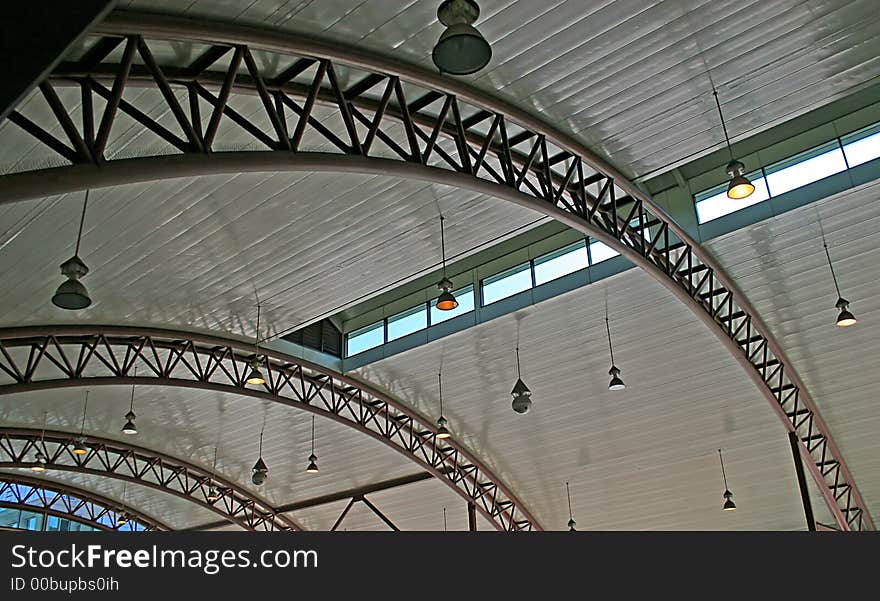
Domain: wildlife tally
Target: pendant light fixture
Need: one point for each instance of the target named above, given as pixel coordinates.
(616, 383)
(72, 295)
(213, 491)
(130, 427)
(729, 505)
(739, 187)
(522, 396)
(442, 431)
(122, 515)
(461, 49)
(313, 459)
(39, 458)
(446, 301)
(844, 318)
(571, 522)
(260, 469)
(255, 377)
(80, 448)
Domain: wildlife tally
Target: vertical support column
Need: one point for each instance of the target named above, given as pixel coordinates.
(802, 481)
(472, 517)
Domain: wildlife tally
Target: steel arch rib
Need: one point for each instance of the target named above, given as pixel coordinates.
(124, 461)
(517, 157)
(41, 358)
(75, 503)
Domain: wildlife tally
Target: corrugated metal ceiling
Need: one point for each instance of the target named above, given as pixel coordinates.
(630, 77)
(644, 458)
(782, 267)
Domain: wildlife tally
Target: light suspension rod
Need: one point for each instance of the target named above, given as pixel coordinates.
(608, 331)
(831, 266)
(723, 125)
(82, 220)
(723, 474)
(443, 244)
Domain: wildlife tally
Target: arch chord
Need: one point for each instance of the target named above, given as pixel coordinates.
(76, 504)
(403, 120)
(115, 459)
(40, 358)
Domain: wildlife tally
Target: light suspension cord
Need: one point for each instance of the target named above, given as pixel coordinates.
(518, 374)
(440, 381)
(131, 405)
(261, 444)
(82, 426)
(723, 475)
(608, 331)
(828, 256)
(443, 244)
(723, 125)
(82, 220)
(313, 435)
(444, 519)
(214, 465)
(257, 336)
(568, 493)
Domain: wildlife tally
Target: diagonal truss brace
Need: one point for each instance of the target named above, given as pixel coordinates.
(429, 127)
(114, 459)
(65, 356)
(66, 501)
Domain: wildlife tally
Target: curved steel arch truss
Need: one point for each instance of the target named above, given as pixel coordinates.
(115, 459)
(445, 131)
(70, 502)
(62, 356)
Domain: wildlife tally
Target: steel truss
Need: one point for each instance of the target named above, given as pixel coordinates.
(446, 131)
(114, 459)
(40, 358)
(70, 502)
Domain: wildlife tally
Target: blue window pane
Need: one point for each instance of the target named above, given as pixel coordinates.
(465, 298)
(507, 284)
(407, 322)
(862, 151)
(562, 262)
(20, 518)
(366, 338)
(717, 204)
(599, 251)
(805, 172)
(9, 517)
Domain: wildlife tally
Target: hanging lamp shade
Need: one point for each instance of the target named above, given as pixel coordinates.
(729, 505)
(121, 519)
(522, 400)
(39, 463)
(446, 301)
(130, 427)
(80, 448)
(72, 295)
(739, 187)
(313, 464)
(255, 377)
(571, 525)
(461, 49)
(845, 318)
(616, 383)
(442, 431)
(213, 494)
